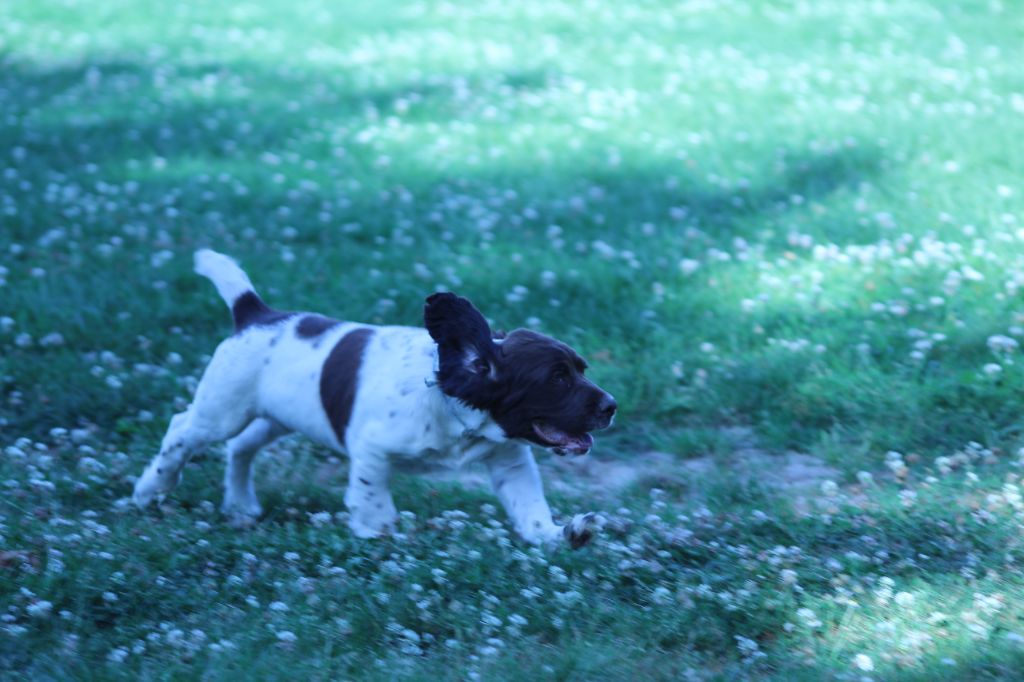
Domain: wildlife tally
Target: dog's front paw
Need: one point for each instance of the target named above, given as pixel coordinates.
(580, 529)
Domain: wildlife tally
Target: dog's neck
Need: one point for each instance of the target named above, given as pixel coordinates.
(474, 423)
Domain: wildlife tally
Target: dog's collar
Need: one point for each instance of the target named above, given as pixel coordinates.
(458, 410)
(432, 381)
(452, 404)
(455, 409)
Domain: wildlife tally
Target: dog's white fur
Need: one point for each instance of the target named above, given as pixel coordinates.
(264, 382)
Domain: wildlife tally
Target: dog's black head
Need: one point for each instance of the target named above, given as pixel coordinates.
(532, 385)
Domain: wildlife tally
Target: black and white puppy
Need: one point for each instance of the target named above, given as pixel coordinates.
(391, 398)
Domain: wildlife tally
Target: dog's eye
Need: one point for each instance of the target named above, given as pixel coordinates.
(560, 375)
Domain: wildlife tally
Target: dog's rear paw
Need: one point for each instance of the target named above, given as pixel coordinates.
(580, 530)
(240, 521)
(141, 500)
(376, 529)
(242, 516)
(153, 484)
(144, 494)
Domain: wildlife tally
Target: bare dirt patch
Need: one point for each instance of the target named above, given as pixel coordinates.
(799, 474)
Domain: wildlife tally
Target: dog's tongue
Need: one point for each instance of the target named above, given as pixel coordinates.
(564, 443)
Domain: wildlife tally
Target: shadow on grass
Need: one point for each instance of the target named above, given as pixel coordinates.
(78, 123)
(103, 112)
(98, 113)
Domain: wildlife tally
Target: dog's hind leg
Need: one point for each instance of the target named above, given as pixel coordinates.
(223, 406)
(240, 502)
(186, 435)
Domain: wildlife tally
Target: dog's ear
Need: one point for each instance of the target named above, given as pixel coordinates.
(467, 354)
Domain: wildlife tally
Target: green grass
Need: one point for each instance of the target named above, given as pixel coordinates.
(806, 219)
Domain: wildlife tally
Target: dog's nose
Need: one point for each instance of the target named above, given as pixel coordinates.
(606, 408)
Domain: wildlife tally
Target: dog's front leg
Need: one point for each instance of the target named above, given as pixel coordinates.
(516, 481)
(368, 498)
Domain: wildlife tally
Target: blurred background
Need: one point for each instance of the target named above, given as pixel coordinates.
(787, 235)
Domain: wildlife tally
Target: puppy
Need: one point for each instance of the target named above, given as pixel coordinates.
(390, 398)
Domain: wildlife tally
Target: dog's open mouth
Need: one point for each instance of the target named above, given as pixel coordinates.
(562, 443)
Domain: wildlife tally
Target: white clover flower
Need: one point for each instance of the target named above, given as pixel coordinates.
(109, 597)
(809, 618)
(661, 595)
(749, 649)
(568, 598)
(517, 294)
(160, 258)
(898, 309)
(117, 655)
(976, 627)
(998, 343)
(40, 609)
(894, 462)
(971, 275)
(865, 478)
(320, 519)
(279, 606)
(689, 266)
(863, 662)
(604, 249)
(286, 636)
(992, 369)
(51, 340)
(904, 599)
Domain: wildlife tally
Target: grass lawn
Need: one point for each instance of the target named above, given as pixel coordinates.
(804, 220)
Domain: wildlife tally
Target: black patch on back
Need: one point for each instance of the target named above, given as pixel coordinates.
(338, 382)
(312, 326)
(249, 309)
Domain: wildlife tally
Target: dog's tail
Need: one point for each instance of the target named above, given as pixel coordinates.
(234, 287)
